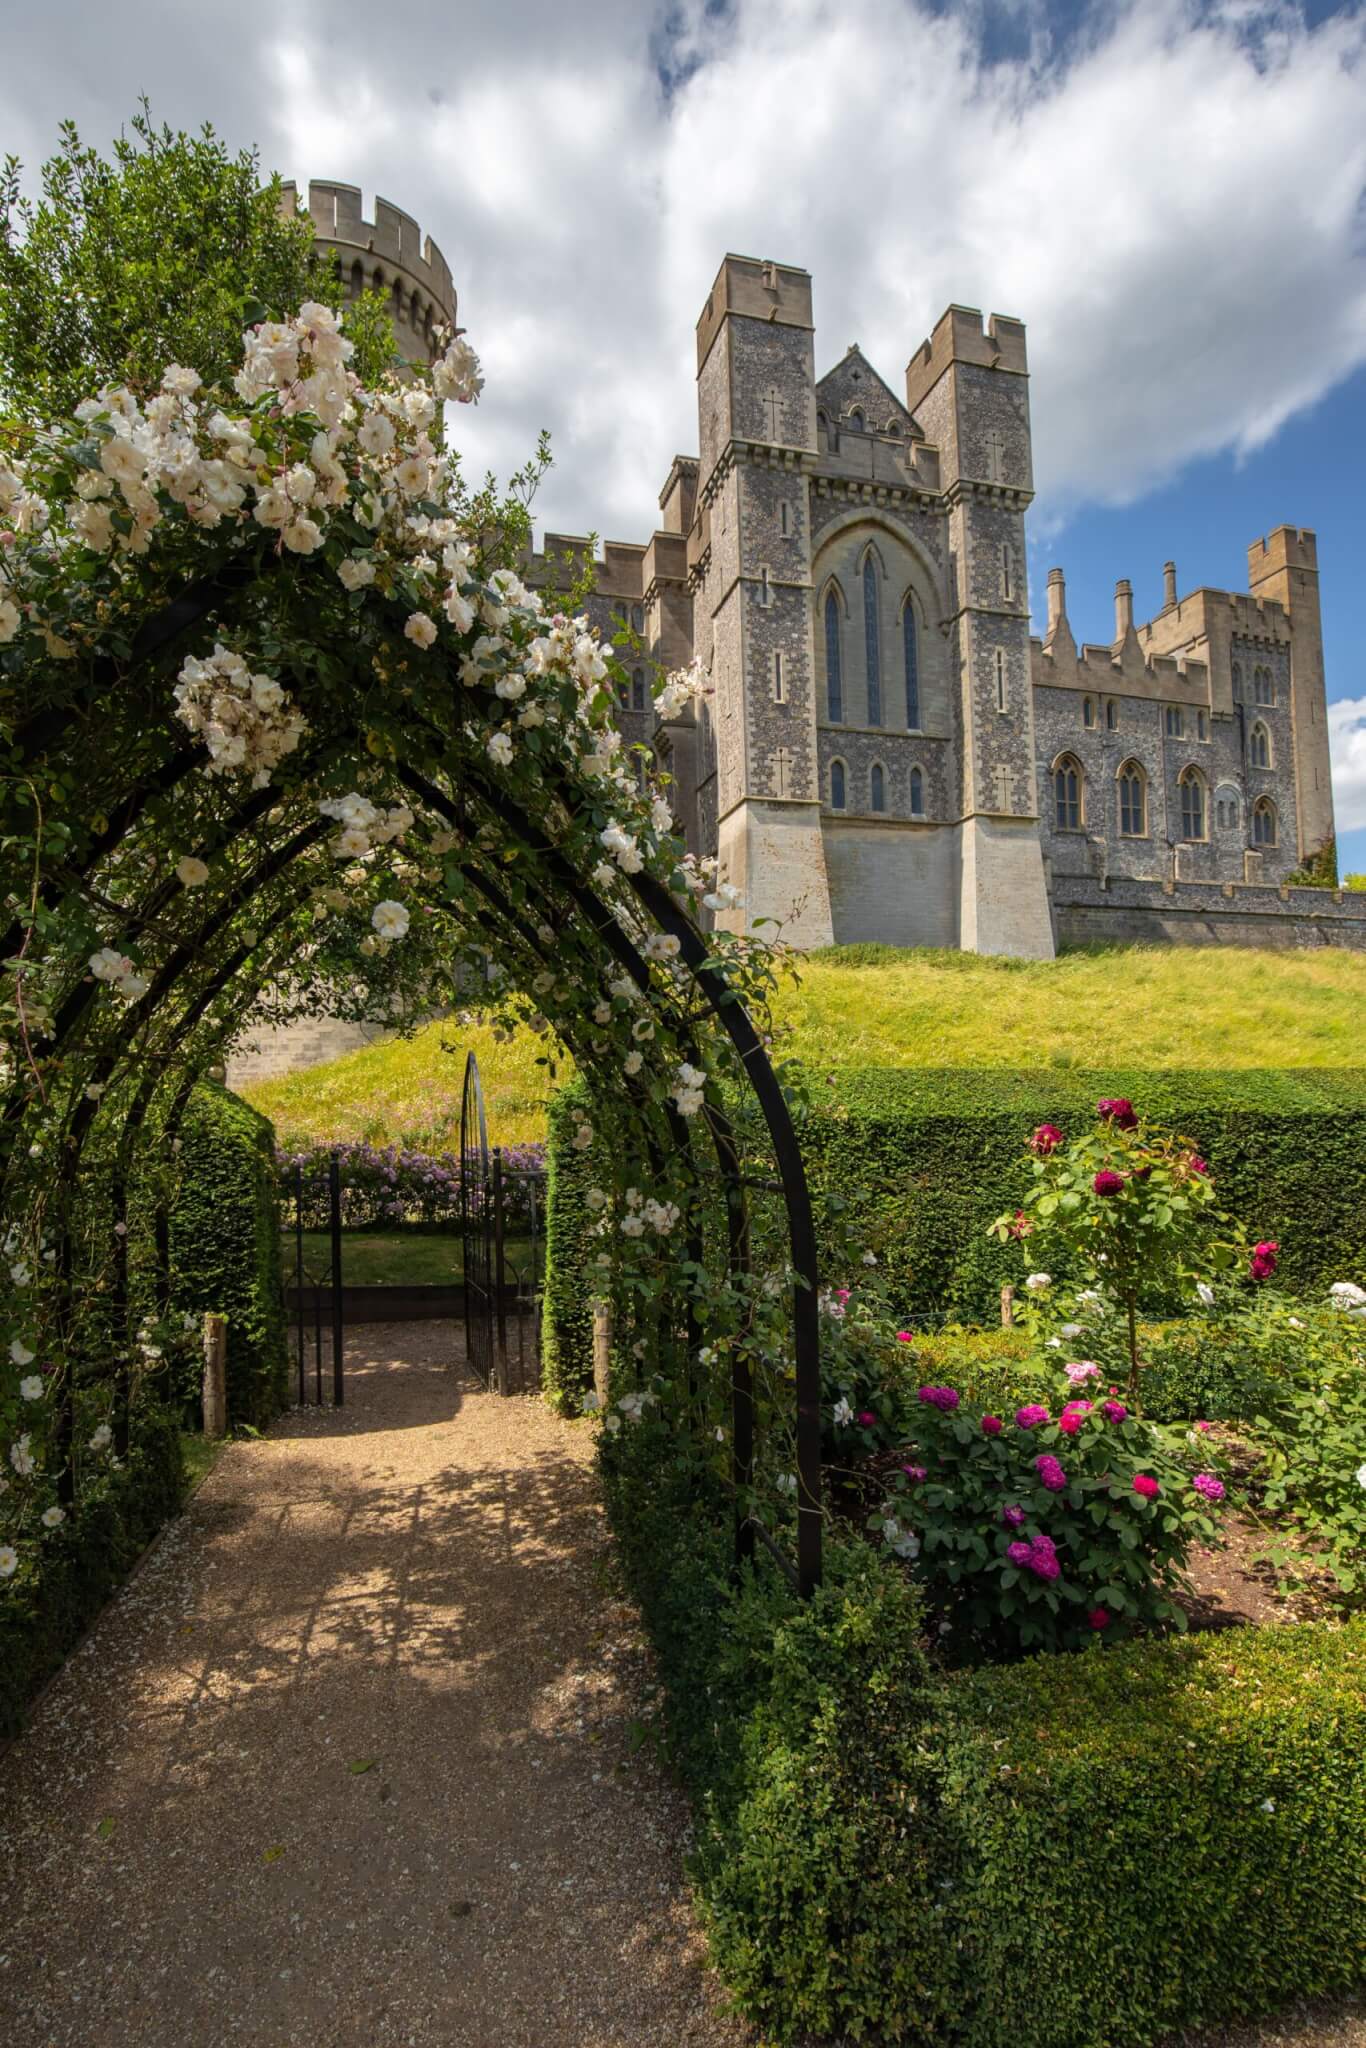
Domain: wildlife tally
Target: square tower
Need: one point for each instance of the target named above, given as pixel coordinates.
(752, 602)
(1285, 567)
(968, 388)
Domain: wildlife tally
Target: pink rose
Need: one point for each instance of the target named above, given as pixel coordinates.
(1045, 1140)
(1018, 1553)
(905, 1337)
(991, 1425)
(1208, 1485)
(1113, 1411)
(1031, 1415)
(1051, 1474)
(1146, 1485)
(1107, 1183)
(1119, 1110)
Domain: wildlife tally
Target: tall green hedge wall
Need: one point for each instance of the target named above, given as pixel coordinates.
(567, 1310)
(225, 1244)
(925, 1159)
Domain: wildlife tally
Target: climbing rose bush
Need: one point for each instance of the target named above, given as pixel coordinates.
(1043, 1528)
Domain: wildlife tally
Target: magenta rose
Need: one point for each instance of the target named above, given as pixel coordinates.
(1013, 1517)
(914, 1473)
(1117, 1109)
(943, 1398)
(1100, 1617)
(1043, 1558)
(1145, 1484)
(905, 1337)
(1050, 1472)
(1107, 1182)
(865, 1418)
(1072, 1417)
(1206, 1483)
(1031, 1415)
(1045, 1140)
(1113, 1411)
(1019, 1553)
(1199, 1165)
(1263, 1263)
(991, 1425)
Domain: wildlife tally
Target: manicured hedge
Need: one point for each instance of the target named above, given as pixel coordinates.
(45, 1610)
(225, 1244)
(1082, 1851)
(570, 1246)
(1157, 1836)
(924, 1160)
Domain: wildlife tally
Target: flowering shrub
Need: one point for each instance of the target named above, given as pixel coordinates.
(392, 1185)
(1136, 1207)
(1042, 1530)
(1314, 1442)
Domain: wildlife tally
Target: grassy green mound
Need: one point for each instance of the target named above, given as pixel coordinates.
(1136, 1008)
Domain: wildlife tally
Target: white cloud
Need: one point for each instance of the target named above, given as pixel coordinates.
(1172, 202)
(1347, 742)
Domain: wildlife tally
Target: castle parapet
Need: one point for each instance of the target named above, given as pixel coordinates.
(388, 254)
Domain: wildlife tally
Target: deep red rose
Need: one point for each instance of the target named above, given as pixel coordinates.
(991, 1425)
(1263, 1263)
(1199, 1165)
(1100, 1617)
(1117, 1109)
(1107, 1183)
(1145, 1484)
(1045, 1140)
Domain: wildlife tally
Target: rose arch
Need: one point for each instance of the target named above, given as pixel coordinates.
(283, 726)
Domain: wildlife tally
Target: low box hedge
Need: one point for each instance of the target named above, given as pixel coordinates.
(1077, 1851)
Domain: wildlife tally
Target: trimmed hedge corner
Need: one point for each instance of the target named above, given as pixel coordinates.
(1077, 1851)
(46, 1610)
(225, 1244)
(1162, 1835)
(567, 1305)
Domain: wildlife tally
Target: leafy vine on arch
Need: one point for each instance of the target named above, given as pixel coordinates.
(283, 723)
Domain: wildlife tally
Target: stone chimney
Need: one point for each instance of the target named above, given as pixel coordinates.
(1124, 608)
(1057, 600)
(1168, 586)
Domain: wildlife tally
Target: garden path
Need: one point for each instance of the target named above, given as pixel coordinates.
(350, 1760)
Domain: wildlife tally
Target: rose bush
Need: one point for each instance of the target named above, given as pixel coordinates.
(1043, 1528)
(394, 1185)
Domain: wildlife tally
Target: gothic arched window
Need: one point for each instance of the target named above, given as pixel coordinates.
(837, 785)
(638, 689)
(1264, 689)
(1237, 682)
(1264, 822)
(917, 794)
(1133, 804)
(1259, 746)
(911, 638)
(877, 787)
(1192, 787)
(1068, 789)
(871, 641)
(1226, 807)
(834, 676)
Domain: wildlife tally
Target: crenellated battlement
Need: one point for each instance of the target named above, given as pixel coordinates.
(388, 253)
(960, 337)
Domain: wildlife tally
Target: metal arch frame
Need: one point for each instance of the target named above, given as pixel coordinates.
(189, 609)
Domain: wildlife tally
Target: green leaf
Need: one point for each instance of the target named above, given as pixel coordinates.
(362, 1764)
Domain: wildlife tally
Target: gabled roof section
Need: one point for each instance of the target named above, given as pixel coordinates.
(854, 381)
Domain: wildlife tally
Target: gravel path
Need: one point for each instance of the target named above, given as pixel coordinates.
(350, 1760)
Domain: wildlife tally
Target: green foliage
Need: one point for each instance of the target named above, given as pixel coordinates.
(571, 1246)
(1313, 1435)
(153, 255)
(225, 1244)
(61, 1587)
(1320, 871)
(1163, 1835)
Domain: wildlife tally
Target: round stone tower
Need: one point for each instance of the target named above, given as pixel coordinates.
(388, 254)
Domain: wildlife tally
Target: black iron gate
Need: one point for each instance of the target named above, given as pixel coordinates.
(309, 1289)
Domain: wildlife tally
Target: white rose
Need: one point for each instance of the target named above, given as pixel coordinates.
(20, 1352)
(302, 536)
(375, 434)
(191, 872)
(31, 1389)
(9, 1561)
(500, 749)
(356, 571)
(420, 629)
(390, 920)
(52, 1518)
(1037, 1282)
(9, 620)
(122, 461)
(272, 508)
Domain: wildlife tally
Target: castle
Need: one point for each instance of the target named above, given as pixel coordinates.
(883, 751)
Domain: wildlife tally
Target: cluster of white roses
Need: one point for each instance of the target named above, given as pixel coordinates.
(363, 824)
(644, 1212)
(688, 1090)
(119, 972)
(246, 721)
(682, 686)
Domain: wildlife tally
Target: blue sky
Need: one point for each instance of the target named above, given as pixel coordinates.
(1168, 192)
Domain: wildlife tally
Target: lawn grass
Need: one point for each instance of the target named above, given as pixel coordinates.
(394, 1258)
(1130, 1007)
